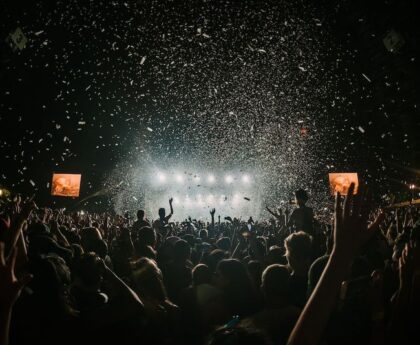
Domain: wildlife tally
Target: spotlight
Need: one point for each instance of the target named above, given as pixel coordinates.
(210, 198)
(236, 199)
(246, 179)
(229, 179)
(176, 200)
(179, 178)
(161, 177)
(1, 192)
(412, 186)
(210, 179)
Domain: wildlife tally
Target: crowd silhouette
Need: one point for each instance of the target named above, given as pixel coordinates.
(73, 278)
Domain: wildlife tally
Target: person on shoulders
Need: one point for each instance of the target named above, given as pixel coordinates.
(302, 217)
(160, 224)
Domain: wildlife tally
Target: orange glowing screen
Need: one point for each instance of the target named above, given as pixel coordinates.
(66, 185)
(340, 182)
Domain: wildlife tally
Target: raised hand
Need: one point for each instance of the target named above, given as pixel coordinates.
(19, 220)
(171, 207)
(351, 230)
(409, 263)
(10, 286)
(212, 212)
(229, 219)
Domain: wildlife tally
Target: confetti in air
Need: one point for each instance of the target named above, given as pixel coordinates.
(126, 88)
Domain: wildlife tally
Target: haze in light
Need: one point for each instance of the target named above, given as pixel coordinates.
(229, 179)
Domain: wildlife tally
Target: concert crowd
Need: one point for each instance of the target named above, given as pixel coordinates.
(79, 277)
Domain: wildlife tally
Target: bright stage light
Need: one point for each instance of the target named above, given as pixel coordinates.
(179, 178)
(236, 199)
(161, 177)
(210, 178)
(246, 179)
(229, 179)
(210, 198)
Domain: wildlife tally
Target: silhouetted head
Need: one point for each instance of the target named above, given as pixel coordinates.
(223, 243)
(148, 279)
(201, 274)
(140, 214)
(301, 197)
(233, 273)
(298, 250)
(275, 281)
(204, 235)
(182, 250)
(162, 213)
(147, 236)
(275, 255)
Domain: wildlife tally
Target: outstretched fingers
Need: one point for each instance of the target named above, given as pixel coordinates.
(348, 202)
(338, 212)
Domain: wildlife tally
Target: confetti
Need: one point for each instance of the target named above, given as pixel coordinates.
(366, 77)
(227, 89)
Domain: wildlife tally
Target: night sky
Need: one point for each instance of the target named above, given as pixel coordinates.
(289, 90)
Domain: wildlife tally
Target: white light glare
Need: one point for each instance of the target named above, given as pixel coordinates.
(179, 178)
(210, 178)
(161, 177)
(229, 179)
(246, 179)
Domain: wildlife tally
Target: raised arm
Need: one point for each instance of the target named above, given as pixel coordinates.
(171, 208)
(10, 289)
(270, 211)
(351, 231)
(212, 212)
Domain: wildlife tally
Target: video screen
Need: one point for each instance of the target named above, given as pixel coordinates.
(66, 185)
(340, 182)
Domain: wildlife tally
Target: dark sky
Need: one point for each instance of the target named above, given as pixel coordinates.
(108, 89)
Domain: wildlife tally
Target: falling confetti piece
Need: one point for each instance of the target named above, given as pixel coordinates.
(366, 77)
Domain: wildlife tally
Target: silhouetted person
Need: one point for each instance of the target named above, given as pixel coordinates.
(302, 217)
